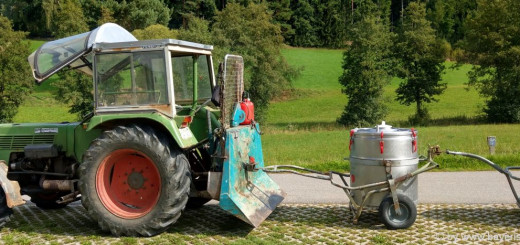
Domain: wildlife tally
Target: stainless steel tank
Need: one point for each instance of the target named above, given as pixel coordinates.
(379, 153)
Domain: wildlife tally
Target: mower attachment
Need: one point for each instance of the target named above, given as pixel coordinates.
(247, 192)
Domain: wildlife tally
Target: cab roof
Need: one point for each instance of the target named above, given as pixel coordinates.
(74, 51)
(151, 44)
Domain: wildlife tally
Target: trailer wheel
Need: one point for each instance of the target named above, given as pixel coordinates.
(132, 183)
(391, 219)
(5, 212)
(47, 200)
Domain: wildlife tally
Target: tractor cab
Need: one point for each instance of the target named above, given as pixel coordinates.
(130, 75)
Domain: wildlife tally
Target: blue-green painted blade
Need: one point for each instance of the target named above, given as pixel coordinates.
(249, 195)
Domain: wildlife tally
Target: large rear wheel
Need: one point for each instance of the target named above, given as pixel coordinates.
(132, 183)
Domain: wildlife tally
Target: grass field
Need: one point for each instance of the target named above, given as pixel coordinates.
(41, 106)
(302, 130)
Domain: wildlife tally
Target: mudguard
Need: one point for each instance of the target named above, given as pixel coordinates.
(246, 191)
(10, 188)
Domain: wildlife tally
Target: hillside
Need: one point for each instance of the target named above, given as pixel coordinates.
(301, 129)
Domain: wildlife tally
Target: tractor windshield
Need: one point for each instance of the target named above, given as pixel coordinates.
(74, 51)
(183, 78)
(137, 78)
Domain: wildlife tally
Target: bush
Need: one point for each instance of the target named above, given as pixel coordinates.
(156, 31)
(15, 76)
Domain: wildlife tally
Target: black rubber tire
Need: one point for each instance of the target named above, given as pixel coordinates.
(5, 212)
(389, 217)
(173, 167)
(47, 200)
(196, 202)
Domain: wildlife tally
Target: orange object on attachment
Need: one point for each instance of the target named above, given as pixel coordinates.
(249, 108)
(186, 122)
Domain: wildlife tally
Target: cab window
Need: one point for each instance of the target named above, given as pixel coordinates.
(137, 78)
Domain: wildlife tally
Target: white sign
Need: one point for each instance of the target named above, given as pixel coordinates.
(46, 130)
(185, 133)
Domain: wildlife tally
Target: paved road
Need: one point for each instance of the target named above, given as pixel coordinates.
(434, 187)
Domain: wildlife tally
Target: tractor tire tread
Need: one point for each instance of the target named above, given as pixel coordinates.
(172, 201)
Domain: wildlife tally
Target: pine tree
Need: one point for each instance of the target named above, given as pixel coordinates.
(367, 63)
(421, 62)
(493, 44)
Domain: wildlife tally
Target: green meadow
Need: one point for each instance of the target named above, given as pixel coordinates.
(301, 128)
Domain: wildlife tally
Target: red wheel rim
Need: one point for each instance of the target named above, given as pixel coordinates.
(128, 183)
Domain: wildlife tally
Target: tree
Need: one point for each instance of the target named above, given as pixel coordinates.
(138, 14)
(448, 18)
(15, 76)
(303, 24)
(184, 10)
(366, 68)
(282, 13)
(75, 89)
(197, 30)
(68, 19)
(332, 25)
(106, 16)
(421, 62)
(248, 31)
(493, 45)
(156, 31)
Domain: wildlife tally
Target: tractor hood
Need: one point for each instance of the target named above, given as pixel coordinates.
(73, 51)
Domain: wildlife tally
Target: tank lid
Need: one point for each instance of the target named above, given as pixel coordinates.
(385, 128)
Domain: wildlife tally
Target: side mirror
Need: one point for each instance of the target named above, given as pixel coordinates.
(217, 90)
(215, 95)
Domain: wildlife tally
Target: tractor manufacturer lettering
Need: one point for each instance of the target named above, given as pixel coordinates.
(46, 130)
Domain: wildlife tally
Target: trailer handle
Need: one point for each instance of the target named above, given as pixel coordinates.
(505, 171)
(488, 162)
(289, 169)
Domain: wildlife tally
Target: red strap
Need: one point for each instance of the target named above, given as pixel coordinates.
(351, 140)
(414, 141)
(382, 143)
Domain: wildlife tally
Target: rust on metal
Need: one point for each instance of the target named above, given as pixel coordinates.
(214, 184)
(11, 188)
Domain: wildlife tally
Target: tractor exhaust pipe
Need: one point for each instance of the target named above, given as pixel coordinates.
(58, 185)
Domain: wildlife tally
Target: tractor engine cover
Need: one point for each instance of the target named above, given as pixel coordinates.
(39, 151)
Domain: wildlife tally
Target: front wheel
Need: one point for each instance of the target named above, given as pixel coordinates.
(389, 216)
(132, 183)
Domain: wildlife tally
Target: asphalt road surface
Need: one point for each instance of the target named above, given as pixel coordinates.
(483, 187)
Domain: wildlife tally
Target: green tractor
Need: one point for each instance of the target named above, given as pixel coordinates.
(163, 136)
